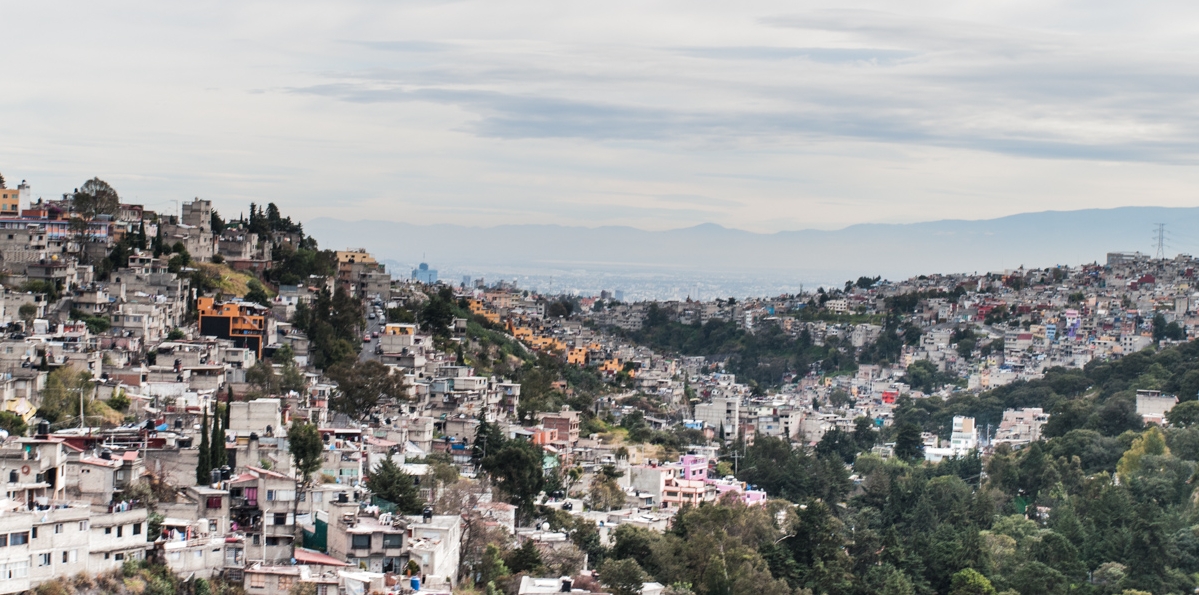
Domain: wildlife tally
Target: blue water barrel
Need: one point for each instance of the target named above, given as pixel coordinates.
(415, 583)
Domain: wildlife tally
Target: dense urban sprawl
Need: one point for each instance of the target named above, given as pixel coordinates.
(195, 404)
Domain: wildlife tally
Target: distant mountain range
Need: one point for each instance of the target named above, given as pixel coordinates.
(893, 251)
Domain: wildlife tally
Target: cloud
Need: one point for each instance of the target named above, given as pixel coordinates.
(906, 79)
(826, 55)
(763, 114)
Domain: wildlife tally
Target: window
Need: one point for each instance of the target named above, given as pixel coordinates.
(272, 541)
(119, 529)
(137, 528)
(3, 540)
(12, 475)
(33, 532)
(212, 526)
(318, 497)
(21, 538)
(285, 583)
(214, 502)
(58, 528)
(108, 530)
(280, 518)
(362, 542)
(16, 569)
(83, 525)
(257, 581)
(43, 559)
(119, 557)
(392, 540)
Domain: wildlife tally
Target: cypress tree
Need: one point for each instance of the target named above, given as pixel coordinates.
(218, 458)
(204, 468)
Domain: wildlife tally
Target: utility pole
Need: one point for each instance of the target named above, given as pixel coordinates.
(736, 456)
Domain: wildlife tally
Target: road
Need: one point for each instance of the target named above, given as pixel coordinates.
(372, 326)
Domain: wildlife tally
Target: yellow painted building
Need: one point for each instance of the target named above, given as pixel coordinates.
(10, 202)
(577, 356)
(354, 256)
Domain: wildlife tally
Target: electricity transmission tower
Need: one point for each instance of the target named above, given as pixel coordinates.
(1159, 237)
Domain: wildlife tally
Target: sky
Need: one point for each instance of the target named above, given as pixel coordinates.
(763, 116)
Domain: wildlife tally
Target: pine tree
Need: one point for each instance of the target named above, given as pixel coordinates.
(204, 467)
(218, 458)
(141, 236)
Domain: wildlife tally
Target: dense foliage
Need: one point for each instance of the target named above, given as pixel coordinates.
(1103, 504)
(333, 323)
(768, 354)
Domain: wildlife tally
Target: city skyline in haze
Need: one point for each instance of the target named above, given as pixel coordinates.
(762, 116)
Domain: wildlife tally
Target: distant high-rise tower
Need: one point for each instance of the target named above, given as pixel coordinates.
(424, 274)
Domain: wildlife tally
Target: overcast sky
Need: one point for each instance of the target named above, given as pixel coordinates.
(757, 115)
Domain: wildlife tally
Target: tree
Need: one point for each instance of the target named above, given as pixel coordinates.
(362, 386)
(516, 468)
(492, 566)
(970, 582)
(217, 224)
(1184, 414)
(908, 444)
(204, 467)
(95, 197)
(525, 558)
(622, 577)
(262, 375)
(304, 444)
(219, 457)
(438, 314)
(27, 312)
(606, 494)
(257, 294)
(12, 423)
(389, 482)
(60, 398)
(1152, 443)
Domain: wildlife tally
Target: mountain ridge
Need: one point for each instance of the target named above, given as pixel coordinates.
(894, 250)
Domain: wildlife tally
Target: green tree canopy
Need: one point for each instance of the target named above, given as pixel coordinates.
(622, 577)
(363, 386)
(389, 482)
(304, 444)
